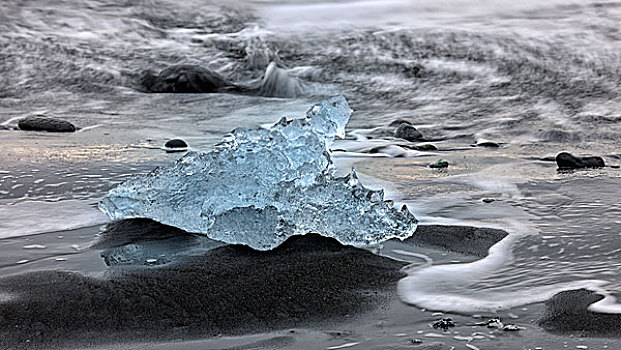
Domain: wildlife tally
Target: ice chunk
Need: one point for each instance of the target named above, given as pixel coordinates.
(260, 186)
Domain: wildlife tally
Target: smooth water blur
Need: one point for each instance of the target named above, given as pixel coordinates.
(536, 77)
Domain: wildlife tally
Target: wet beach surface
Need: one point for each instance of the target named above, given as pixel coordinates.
(309, 292)
(498, 89)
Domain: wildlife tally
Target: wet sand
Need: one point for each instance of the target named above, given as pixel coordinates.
(311, 292)
(230, 290)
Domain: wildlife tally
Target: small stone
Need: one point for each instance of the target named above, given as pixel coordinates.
(439, 164)
(495, 323)
(176, 143)
(408, 132)
(43, 123)
(492, 323)
(443, 324)
(566, 160)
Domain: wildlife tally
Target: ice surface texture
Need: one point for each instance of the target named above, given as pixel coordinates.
(260, 186)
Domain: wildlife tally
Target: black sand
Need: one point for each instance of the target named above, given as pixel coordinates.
(230, 290)
(567, 312)
(474, 241)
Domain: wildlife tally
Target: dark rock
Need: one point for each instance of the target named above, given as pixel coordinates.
(567, 312)
(42, 123)
(439, 164)
(488, 144)
(408, 132)
(488, 200)
(175, 143)
(494, 323)
(467, 240)
(444, 324)
(566, 160)
(398, 122)
(307, 280)
(184, 78)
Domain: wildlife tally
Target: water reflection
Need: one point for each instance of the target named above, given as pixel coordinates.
(143, 242)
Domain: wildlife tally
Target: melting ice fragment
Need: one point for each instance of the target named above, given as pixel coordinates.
(260, 186)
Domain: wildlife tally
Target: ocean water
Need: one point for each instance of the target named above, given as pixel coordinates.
(536, 77)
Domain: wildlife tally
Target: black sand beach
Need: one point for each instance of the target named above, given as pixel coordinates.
(495, 123)
(311, 289)
(310, 281)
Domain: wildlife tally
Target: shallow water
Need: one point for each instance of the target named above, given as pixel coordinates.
(536, 78)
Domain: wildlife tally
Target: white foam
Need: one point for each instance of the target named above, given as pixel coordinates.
(347, 345)
(451, 288)
(10, 120)
(608, 305)
(89, 128)
(448, 287)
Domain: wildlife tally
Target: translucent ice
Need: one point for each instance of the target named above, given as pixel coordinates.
(258, 187)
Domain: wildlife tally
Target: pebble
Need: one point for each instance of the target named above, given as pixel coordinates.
(175, 143)
(408, 132)
(439, 164)
(43, 123)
